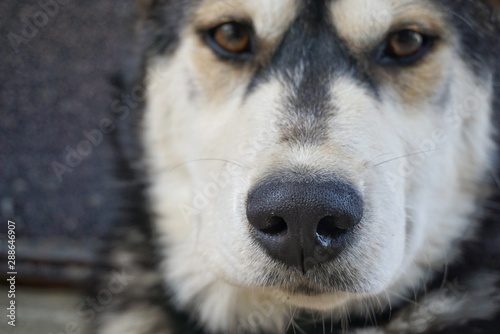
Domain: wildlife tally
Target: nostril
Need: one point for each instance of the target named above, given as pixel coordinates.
(275, 225)
(329, 229)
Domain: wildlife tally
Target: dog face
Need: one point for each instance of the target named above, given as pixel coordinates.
(325, 152)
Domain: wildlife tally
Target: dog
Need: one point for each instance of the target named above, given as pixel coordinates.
(300, 166)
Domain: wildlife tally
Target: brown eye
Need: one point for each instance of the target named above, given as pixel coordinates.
(405, 43)
(232, 37)
(231, 40)
(404, 48)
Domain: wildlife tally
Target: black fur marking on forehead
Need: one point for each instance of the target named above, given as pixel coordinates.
(309, 58)
(311, 42)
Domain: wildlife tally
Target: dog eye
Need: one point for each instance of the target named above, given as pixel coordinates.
(231, 40)
(405, 43)
(405, 47)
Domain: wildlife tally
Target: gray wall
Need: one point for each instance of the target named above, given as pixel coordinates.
(55, 64)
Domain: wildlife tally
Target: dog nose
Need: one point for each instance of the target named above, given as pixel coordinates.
(304, 223)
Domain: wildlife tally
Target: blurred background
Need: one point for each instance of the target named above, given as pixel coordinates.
(56, 58)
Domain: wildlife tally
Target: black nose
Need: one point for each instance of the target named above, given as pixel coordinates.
(304, 223)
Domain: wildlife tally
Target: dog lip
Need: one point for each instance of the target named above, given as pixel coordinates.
(306, 288)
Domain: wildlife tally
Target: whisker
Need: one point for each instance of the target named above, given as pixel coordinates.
(464, 20)
(290, 323)
(389, 302)
(141, 180)
(378, 156)
(406, 156)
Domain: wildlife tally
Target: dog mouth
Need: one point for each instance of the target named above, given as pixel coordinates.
(321, 279)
